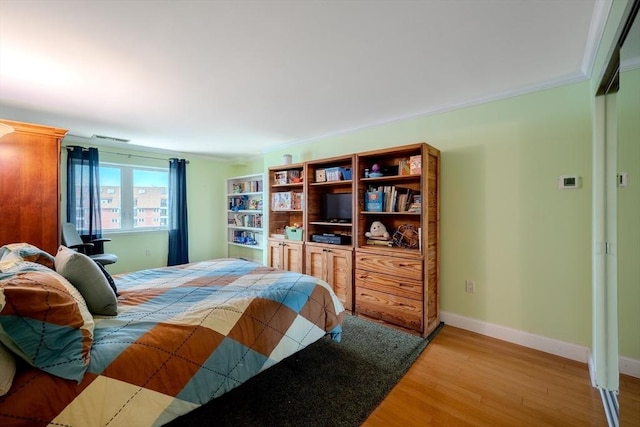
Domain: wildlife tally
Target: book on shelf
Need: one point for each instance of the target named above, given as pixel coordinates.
(415, 165)
(254, 186)
(245, 220)
(403, 167)
(287, 200)
(416, 203)
(389, 198)
(374, 201)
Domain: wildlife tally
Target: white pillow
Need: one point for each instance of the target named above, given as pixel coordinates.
(7, 369)
(86, 276)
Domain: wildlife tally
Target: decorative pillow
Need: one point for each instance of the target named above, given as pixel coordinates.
(107, 276)
(45, 321)
(86, 276)
(27, 252)
(7, 369)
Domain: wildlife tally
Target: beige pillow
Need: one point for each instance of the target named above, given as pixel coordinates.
(86, 276)
(7, 369)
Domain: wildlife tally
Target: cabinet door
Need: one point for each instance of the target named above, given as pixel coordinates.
(340, 275)
(292, 257)
(29, 191)
(315, 263)
(274, 254)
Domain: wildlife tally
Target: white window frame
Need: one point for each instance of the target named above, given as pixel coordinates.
(127, 197)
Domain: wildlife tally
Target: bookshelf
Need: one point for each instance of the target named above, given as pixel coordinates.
(245, 212)
(397, 280)
(330, 182)
(285, 250)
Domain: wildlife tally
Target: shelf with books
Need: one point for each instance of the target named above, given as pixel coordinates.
(245, 212)
(287, 208)
(389, 191)
(396, 188)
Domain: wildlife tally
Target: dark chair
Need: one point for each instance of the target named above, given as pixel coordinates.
(72, 240)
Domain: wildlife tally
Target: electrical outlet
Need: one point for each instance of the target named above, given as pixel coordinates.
(147, 252)
(470, 286)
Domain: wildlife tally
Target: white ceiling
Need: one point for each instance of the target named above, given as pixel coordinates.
(236, 78)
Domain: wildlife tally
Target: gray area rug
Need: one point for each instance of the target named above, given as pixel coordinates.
(326, 384)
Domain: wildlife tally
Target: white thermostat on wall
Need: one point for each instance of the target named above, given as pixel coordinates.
(566, 182)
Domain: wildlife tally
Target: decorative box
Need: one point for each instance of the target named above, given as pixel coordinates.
(333, 174)
(346, 173)
(294, 233)
(321, 175)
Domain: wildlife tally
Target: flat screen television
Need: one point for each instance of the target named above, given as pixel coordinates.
(337, 207)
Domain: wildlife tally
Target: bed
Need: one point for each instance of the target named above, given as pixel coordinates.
(180, 337)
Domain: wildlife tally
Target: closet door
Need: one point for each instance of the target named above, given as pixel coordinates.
(30, 185)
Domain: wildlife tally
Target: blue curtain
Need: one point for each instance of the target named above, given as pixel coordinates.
(178, 229)
(83, 191)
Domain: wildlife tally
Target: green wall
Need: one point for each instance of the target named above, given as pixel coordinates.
(504, 222)
(207, 219)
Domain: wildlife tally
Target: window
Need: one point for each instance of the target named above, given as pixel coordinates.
(136, 194)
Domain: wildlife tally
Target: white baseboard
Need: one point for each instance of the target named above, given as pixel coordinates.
(516, 336)
(629, 366)
(571, 351)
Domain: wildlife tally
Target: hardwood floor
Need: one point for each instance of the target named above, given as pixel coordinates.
(467, 379)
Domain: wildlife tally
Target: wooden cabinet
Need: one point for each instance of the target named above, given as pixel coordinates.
(285, 255)
(245, 204)
(30, 185)
(390, 287)
(333, 265)
(330, 195)
(394, 281)
(399, 283)
(286, 209)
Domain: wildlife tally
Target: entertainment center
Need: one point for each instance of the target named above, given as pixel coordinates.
(368, 224)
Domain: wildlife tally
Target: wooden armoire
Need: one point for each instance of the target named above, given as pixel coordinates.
(30, 185)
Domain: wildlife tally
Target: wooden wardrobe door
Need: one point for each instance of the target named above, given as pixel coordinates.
(30, 185)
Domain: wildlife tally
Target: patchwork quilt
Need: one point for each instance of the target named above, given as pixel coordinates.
(183, 336)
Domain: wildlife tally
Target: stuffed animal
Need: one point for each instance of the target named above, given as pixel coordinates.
(377, 231)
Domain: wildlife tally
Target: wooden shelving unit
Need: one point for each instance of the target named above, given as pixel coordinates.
(397, 284)
(286, 203)
(327, 179)
(400, 284)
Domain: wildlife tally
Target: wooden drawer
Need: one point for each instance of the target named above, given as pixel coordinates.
(409, 268)
(399, 286)
(401, 311)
